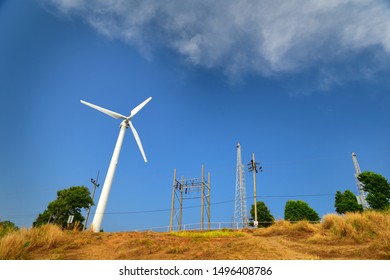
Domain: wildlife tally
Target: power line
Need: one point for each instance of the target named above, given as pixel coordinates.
(298, 195)
(218, 203)
(195, 206)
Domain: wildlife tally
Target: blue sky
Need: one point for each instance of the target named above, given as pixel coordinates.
(301, 85)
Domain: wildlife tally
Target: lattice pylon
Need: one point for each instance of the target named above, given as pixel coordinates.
(362, 194)
(240, 216)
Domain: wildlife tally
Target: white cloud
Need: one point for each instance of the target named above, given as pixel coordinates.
(66, 6)
(242, 36)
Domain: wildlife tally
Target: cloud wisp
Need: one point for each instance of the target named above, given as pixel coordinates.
(268, 37)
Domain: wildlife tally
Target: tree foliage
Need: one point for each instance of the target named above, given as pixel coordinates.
(377, 188)
(299, 211)
(346, 202)
(6, 227)
(264, 216)
(69, 202)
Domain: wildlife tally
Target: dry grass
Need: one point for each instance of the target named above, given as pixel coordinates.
(283, 227)
(370, 227)
(18, 244)
(208, 234)
(351, 236)
(359, 226)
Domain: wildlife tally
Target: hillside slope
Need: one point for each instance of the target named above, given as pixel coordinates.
(354, 236)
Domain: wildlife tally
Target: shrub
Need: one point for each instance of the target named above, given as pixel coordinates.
(346, 202)
(299, 211)
(264, 216)
(7, 227)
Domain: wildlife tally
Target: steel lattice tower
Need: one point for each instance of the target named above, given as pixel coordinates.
(185, 187)
(240, 217)
(362, 195)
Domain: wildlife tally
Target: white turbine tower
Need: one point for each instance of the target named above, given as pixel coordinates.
(101, 207)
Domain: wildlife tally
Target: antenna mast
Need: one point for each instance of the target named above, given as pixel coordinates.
(362, 195)
(240, 217)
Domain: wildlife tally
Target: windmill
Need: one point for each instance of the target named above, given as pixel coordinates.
(126, 123)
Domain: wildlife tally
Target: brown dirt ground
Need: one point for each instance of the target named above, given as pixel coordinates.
(252, 245)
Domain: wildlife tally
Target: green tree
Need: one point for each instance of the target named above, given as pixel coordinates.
(69, 202)
(299, 211)
(346, 202)
(6, 227)
(264, 216)
(377, 188)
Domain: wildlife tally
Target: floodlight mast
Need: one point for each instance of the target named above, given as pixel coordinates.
(126, 123)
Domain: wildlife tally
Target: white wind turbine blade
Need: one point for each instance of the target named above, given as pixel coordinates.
(139, 107)
(105, 111)
(136, 136)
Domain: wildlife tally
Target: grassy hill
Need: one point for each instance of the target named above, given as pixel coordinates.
(352, 236)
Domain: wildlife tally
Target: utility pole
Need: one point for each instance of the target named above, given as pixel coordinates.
(253, 167)
(95, 185)
(202, 201)
(208, 202)
(173, 201)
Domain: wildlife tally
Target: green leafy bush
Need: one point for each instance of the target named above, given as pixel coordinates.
(299, 211)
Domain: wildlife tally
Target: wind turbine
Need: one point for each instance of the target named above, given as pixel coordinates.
(126, 123)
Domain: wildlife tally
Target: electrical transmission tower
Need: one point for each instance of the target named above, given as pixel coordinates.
(362, 195)
(240, 217)
(182, 190)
